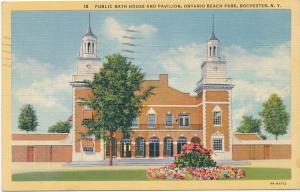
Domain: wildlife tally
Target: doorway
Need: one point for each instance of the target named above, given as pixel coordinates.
(154, 147)
(30, 154)
(126, 148)
(267, 152)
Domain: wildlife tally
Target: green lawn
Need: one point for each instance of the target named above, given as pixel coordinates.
(135, 175)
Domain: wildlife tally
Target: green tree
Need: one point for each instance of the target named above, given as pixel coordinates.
(250, 124)
(60, 127)
(274, 115)
(118, 98)
(27, 119)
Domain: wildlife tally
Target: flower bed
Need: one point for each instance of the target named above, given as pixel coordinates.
(198, 173)
(195, 163)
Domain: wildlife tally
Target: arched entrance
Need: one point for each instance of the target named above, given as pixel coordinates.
(140, 147)
(180, 142)
(114, 147)
(125, 147)
(168, 147)
(196, 140)
(154, 147)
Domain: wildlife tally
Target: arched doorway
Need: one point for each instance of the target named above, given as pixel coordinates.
(114, 147)
(168, 147)
(180, 142)
(196, 140)
(140, 147)
(125, 147)
(154, 147)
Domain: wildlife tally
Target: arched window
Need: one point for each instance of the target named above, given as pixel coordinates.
(140, 147)
(168, 147)
(93, 51)
(181, 142)
(196, 140)
(217, 116)
(154, 147)
(214, 51)
(126, 147)
(89, 47)
(210, 51)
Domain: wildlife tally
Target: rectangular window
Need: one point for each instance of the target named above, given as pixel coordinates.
(169, 119)
(217, 118)
(151, 120)
(218, 144)
(184, 120)
(134, 123)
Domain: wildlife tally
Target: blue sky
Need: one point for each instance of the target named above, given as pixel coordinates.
(256, 44)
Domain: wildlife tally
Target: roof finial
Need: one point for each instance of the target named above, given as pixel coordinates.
(89, 31)
(89, 20)
(213, 36)
(213, 23)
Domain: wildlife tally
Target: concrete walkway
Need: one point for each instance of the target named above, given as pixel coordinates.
(138, 162)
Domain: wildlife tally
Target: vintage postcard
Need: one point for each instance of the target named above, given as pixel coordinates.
(151, 95)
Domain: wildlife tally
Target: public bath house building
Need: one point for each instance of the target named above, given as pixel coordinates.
(168, 120)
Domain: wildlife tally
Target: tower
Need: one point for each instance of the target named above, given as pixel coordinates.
(88, 63)
(214, 97)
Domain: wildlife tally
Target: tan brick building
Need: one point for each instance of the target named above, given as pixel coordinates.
(169, 119)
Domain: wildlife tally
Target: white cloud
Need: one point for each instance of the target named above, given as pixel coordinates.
(113, 29)
(183, 65)
(264, 63)
(30, 67)
(48, 93)
(259, 91)
(145, 29)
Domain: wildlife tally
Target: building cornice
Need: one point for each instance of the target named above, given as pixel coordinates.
(79, 84)
(202, 87)
(88, 58)
(214, 62)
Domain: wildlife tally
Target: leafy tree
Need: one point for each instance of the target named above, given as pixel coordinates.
(118, 97)
(27, 119)
(60, 127)
(274, 115)
(250, 124)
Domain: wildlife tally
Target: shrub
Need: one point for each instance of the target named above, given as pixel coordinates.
(194, 155)
(195, 162)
